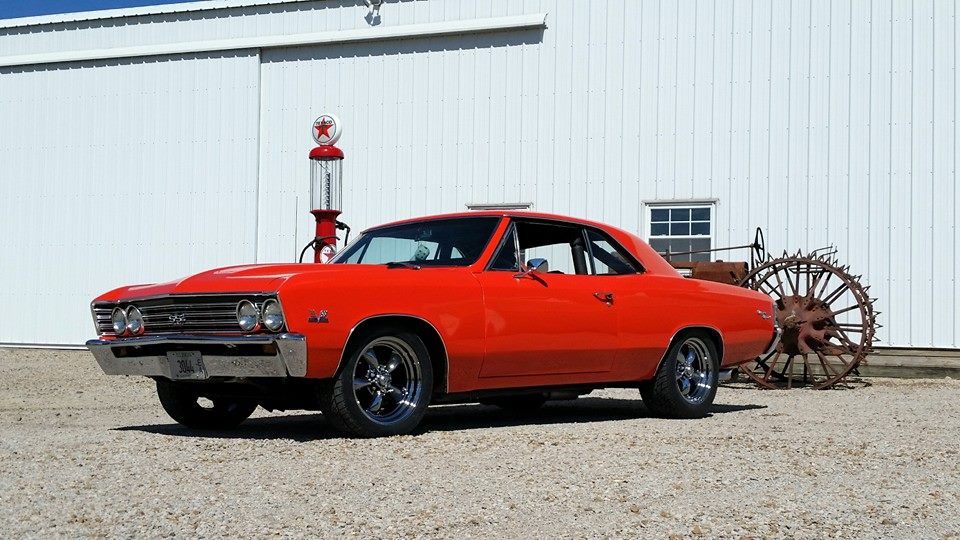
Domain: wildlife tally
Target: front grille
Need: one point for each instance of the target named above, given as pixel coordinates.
(176, 314)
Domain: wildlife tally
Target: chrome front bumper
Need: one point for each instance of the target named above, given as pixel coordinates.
(279, 355)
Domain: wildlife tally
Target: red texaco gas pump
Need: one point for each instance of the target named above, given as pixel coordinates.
(326, 187)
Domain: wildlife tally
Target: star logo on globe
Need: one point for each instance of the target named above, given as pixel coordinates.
(326, 129)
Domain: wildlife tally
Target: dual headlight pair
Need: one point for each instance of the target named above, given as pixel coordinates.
(250, 318)
(127, 321)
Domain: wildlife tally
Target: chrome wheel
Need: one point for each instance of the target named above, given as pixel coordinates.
(387, 380)
(694, 370)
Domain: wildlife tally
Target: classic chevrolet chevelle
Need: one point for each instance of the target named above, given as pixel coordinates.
(508, 309)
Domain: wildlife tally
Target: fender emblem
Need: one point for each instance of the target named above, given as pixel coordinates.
(763, 314)
(316, 317)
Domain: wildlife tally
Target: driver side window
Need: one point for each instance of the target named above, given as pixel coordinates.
(561, 245)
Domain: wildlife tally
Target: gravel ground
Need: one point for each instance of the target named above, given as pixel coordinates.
(82, 454)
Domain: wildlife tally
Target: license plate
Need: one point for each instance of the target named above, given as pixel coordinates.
(186, 365)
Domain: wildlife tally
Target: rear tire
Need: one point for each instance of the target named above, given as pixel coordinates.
(182, 403)
(686, 381)
(384, 386)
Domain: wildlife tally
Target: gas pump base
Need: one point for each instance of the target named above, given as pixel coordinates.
(326, 238)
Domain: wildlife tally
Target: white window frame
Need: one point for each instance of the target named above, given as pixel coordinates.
(682, 205)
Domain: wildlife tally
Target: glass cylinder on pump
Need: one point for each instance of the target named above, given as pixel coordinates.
(326, 185)
(326, 178)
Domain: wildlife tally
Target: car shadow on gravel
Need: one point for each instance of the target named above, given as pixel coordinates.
(312, 427)
(579, 411)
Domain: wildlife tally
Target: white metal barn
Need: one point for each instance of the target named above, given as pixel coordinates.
(144, 144)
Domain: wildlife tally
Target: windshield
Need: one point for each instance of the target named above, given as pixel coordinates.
(438, 242)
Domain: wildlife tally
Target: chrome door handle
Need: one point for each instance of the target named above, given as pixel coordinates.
(605, 297)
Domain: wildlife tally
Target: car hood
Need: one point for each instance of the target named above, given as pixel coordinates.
(248, 278)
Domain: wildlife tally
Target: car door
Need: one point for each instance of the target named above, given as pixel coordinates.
(552, 321)
(646, 311)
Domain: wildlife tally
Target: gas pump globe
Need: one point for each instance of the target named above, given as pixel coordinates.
(326, 186)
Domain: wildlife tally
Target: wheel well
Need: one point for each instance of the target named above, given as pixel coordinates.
(415, 325)
(712, 333)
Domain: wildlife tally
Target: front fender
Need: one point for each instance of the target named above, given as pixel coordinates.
(326, 309)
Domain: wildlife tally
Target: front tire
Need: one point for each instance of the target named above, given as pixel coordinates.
(183, 404)
(384, 386)
(686, 382)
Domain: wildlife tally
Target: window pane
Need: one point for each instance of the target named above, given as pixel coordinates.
(681, 245)
(700, 228)
(700, 214)
(399, 249)
(553, 242)
(660, 245)
(559, 257)
(506, 258)
(699, 244)
(688, 229)
(607, 260)
(424, 242)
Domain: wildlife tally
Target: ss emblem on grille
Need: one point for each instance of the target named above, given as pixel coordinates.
(177, 319)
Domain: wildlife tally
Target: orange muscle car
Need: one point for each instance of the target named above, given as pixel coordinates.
(505, 308)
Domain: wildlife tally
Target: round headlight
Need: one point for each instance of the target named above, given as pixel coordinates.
(247, 316)
(134, 321)
(119, 321)
(272, 315)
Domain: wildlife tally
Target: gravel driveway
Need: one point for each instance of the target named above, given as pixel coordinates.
(82, 454)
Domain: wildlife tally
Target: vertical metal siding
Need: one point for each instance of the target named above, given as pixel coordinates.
(823, 121)
(118, 173)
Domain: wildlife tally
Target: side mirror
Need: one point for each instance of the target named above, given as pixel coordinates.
(538, 265)
(533, 266)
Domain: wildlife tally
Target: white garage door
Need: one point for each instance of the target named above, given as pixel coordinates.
(117, 173)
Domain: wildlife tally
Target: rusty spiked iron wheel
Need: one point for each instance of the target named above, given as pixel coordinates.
(827, 319)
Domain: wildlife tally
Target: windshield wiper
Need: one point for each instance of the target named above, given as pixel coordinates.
(403, 264)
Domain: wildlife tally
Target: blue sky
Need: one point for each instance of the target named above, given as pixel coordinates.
(10, 9)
